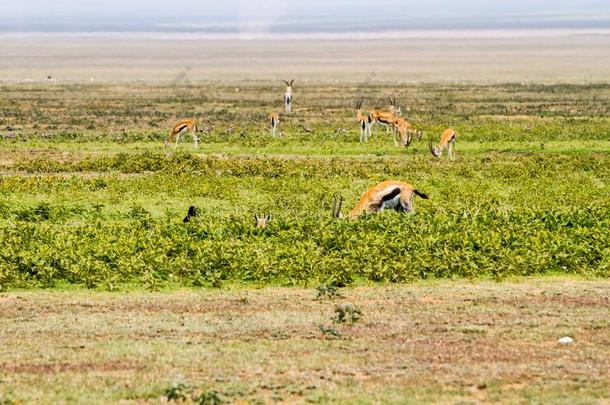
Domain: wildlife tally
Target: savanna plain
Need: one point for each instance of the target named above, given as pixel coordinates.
(107, 296)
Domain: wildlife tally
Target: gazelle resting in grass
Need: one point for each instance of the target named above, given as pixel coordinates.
(262, 222)
(447, 142)
(364, 122)
(405, 131)
(390, 194)
(186, 125)
(274, 121)
(288, 96)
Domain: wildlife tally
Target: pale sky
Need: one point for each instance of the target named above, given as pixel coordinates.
(71, 14)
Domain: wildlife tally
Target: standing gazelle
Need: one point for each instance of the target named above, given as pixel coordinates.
(288, 96)
(274, 121)
(364, 122)
(386, 117)
(390, 194)
(447, 142)
(185, 125)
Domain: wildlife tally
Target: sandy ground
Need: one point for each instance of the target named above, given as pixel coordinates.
(449, 58)
(442, 342)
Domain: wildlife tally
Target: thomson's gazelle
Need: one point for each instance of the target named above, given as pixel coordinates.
(186, 125)
(386, 117)
(288, 96)
(274, 121)
(447, 142)
(405, 131)
(364, 122)
(390, 194)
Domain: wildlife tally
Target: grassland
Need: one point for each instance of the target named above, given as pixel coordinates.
(433, 342)
(89, 197)
(90, 200)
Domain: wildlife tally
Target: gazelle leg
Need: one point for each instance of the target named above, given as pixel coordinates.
(195, 139)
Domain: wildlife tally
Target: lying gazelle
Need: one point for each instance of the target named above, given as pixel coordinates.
(288, 96)
(262, 222)
(447, 142)
(185, 125)
(389, 194)
(274, 121)
(364, 122)
(405, 131)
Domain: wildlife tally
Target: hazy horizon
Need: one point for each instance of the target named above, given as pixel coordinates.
(296, 16)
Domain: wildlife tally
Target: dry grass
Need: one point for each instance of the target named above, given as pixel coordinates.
(432, 342)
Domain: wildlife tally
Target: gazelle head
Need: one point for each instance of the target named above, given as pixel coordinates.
(337, 204)
(359, 104)
(288, 84)
(396, 111)
(435, 150)
(192, 213)
(261, 222)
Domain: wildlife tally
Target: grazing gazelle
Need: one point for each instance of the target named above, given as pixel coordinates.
(405, 131)
(274, 120)
(186, 125)
(261, 222)
(389, 194)
(447, 142)
(364, 121)
(288, 96)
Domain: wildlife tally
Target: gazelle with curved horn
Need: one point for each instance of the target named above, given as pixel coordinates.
(447, 142)
(364, 122)
(395, 110)
(274, 121)
(405, 131)
(262, 222)
(386, 117)
(288, 96)
(337, 204)
(390, 194)
(185, 125)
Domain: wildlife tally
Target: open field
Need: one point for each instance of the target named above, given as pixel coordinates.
(91, 207)
(88, 195)
(444, 342)
(543, 56)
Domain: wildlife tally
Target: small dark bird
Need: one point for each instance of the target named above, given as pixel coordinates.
(193, 212)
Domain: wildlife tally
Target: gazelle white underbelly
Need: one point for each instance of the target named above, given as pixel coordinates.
(391, 204)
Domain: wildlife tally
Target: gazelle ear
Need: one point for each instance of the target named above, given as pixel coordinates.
(268, 217)
(256, 217)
